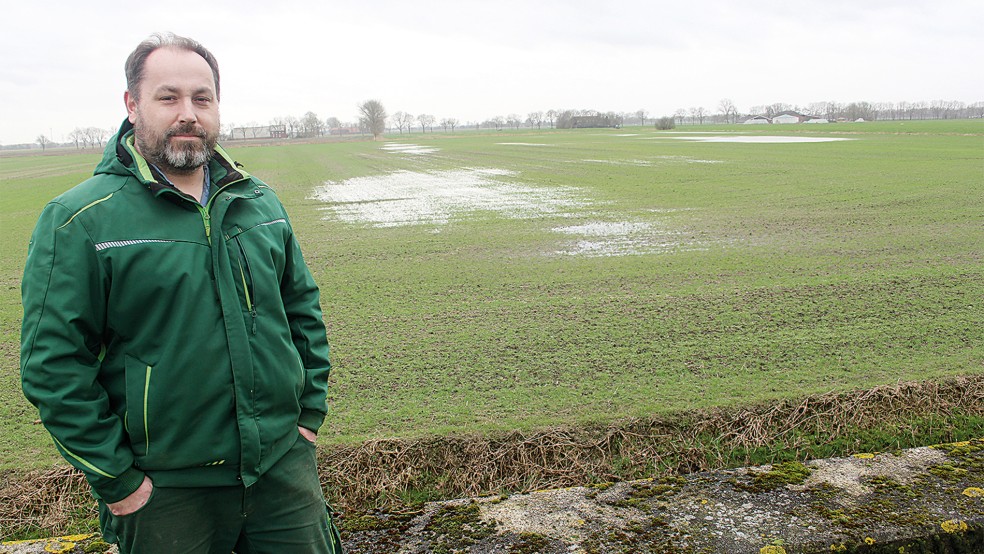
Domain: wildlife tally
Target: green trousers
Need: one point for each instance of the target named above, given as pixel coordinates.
(283, 513)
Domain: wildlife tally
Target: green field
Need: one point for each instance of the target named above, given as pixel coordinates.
(638, 273)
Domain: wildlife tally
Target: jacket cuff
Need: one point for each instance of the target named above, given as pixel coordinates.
(311, 420)
(116, 489)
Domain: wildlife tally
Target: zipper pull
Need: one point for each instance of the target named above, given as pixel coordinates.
(253, 313)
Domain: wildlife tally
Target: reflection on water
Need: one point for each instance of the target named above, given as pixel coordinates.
(759, 139)
(437, 197)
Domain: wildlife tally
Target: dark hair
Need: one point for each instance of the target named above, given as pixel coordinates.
(138, 58)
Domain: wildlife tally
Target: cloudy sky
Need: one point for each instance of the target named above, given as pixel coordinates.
(62, 60)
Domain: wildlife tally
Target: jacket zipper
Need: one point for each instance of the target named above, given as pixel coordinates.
(146, 396)
(207, 219)
(248, 288)
(247, 284)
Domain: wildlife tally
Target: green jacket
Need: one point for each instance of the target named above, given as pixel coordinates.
(165, 338)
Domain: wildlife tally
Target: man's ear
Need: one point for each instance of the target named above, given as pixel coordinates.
(131, 106)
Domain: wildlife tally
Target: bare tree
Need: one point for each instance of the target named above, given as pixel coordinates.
(642, 115)
(449, 122)
(425, 122)
(773, 110)
(407, 120)
(551, 116)
(311, 125)
(373, 117)
(535, 119)
(96, 135)
(859, 110)
(292, 125)
(332, 123)
(679, 115)
(728, 110)
(397, 120)
(697, 115)
(76, 137)
(818, 109)
(43, 140)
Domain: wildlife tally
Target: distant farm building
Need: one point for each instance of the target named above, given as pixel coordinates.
(595, 121)
(348, 130)
(790, 117)
(786, 118)
(587, 119)
(262, 132)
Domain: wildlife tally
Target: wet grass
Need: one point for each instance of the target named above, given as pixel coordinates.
(793, 269)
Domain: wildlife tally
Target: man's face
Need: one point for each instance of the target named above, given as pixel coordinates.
(176, 118)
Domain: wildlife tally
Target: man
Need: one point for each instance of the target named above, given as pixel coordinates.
(173, 339)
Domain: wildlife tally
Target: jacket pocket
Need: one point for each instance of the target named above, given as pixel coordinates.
(256, 254)
(246, 277)
(137, 418)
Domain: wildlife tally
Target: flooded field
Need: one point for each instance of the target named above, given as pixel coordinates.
(606, 238)
(657, 160)
(409, 149)
(439, 197)
(758, 139)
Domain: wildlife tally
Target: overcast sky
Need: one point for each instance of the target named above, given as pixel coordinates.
(62, 60)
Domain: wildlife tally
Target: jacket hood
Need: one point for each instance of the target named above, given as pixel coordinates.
(120, 157)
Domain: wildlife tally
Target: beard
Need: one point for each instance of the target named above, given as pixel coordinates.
(185, 156)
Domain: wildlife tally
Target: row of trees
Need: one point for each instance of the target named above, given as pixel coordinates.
(89, 136)
(373, 119)
(80, 137)
(938, 109)
(727, 112)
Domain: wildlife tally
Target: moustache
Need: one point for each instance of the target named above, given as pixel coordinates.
(189, 129)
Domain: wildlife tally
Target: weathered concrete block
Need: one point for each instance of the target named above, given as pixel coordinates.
(90, 543)
(919, 500)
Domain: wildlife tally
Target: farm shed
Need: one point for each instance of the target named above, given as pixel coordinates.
(262, 132)
(595, 121)
(787, 117)
(758, 119)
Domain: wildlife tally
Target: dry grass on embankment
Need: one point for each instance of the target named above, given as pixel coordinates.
(390, 473)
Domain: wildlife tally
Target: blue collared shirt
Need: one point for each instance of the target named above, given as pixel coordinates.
(206, 185)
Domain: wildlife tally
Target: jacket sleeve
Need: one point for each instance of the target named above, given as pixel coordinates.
(64, 294)
(302, 303)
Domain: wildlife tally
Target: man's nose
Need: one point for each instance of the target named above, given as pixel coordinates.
(187, 111)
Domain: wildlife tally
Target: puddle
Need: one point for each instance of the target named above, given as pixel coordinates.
(439, 197)
(759, 139)
(621, 162)
(623, 239)
(522, 144)
(410, 149)
(657, 161)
